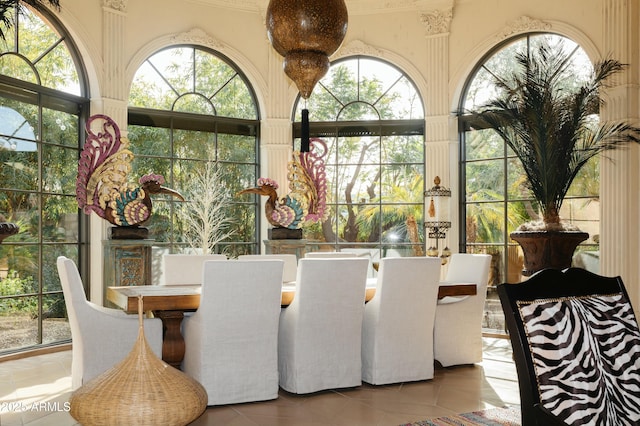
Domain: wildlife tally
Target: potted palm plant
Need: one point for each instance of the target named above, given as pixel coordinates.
(553, 130)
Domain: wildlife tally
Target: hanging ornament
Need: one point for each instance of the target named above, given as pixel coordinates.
(306, 33)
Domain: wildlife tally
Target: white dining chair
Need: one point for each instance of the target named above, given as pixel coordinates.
(185, 269)
(231, 341)
(458, 325)
(290, 263)
(397, 330)
(101, 337)
(321, 330)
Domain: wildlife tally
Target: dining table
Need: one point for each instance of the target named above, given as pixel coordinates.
(171, 302)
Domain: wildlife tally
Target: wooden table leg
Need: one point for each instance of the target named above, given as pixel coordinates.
(172, 340)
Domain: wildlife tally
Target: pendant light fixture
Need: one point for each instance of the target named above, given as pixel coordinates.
(306, 33)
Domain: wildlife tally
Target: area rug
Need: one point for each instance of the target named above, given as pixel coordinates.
(491, 417)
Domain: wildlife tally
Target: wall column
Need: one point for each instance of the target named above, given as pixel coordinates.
(276, 131)
(438, 141)
(115, 87)
(619, 186)
(114, 104)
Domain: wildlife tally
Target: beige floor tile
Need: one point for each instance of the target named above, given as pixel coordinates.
(493, 383)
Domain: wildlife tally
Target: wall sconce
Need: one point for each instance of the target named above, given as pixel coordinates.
(438, 222)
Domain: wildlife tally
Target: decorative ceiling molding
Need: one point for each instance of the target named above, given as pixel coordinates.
(522, 25)
(356, 7)
(437, 21)
(198, 36)
(358, 47)
(119, 5)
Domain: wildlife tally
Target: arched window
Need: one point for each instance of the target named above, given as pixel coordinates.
(193, 118)
(494, 199)
(371, 117)
(43, 102)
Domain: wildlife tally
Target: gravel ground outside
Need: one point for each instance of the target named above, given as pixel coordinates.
(19, 331)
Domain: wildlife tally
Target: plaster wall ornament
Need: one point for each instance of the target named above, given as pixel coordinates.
(522, 25)
(437, 21)
(119, 5)
(359, 47)
(198, 36)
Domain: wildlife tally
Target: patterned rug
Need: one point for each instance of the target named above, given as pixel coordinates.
(491, 417)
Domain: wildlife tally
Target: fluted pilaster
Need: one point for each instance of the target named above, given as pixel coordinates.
(114, 24)
(438, 143)
(619, 187)
(280, 88)
(276, 149)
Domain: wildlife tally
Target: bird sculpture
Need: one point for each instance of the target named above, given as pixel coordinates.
(307, 199)
(102, 184)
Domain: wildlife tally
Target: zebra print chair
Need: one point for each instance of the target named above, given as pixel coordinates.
(576, 346)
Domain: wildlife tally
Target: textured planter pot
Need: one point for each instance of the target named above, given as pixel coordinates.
(547, 249)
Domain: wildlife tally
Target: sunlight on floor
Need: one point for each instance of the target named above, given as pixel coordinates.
(36, 390)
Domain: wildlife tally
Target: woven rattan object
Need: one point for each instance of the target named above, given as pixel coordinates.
(140, 390)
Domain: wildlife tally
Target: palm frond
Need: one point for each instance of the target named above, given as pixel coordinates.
(551, 127)
(9, 7)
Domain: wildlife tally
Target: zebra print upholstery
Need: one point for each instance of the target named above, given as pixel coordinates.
(576, 345)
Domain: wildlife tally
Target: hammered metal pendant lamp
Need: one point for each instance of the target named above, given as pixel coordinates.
(306, 33)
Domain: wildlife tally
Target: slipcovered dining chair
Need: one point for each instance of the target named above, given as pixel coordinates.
(321, 330)
(397, 330)
(231, 341)
(290, 263)
(576, 347)
(101, 337)
(185, 269)
(458, 324)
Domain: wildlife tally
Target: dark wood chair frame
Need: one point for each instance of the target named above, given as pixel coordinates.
(546, 284)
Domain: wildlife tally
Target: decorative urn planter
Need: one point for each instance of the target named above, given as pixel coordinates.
(547, 249)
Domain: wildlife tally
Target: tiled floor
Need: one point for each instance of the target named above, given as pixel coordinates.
(35, 391)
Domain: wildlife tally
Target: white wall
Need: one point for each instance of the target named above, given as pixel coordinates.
(437, 42)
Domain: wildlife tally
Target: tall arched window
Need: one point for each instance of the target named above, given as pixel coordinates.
(43, 103)
(371, 117)
(193, 118)
(494, 199)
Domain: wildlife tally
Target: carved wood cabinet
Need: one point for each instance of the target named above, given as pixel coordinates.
(126, 263)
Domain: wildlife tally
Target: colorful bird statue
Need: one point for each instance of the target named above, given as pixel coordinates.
(287, 212)
(308, 184)
(103, 171)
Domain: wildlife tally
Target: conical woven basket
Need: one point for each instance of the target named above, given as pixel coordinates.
(140, 390)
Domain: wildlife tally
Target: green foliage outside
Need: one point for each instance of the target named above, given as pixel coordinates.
(375, 180)
(13, 285)
(38, 166)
